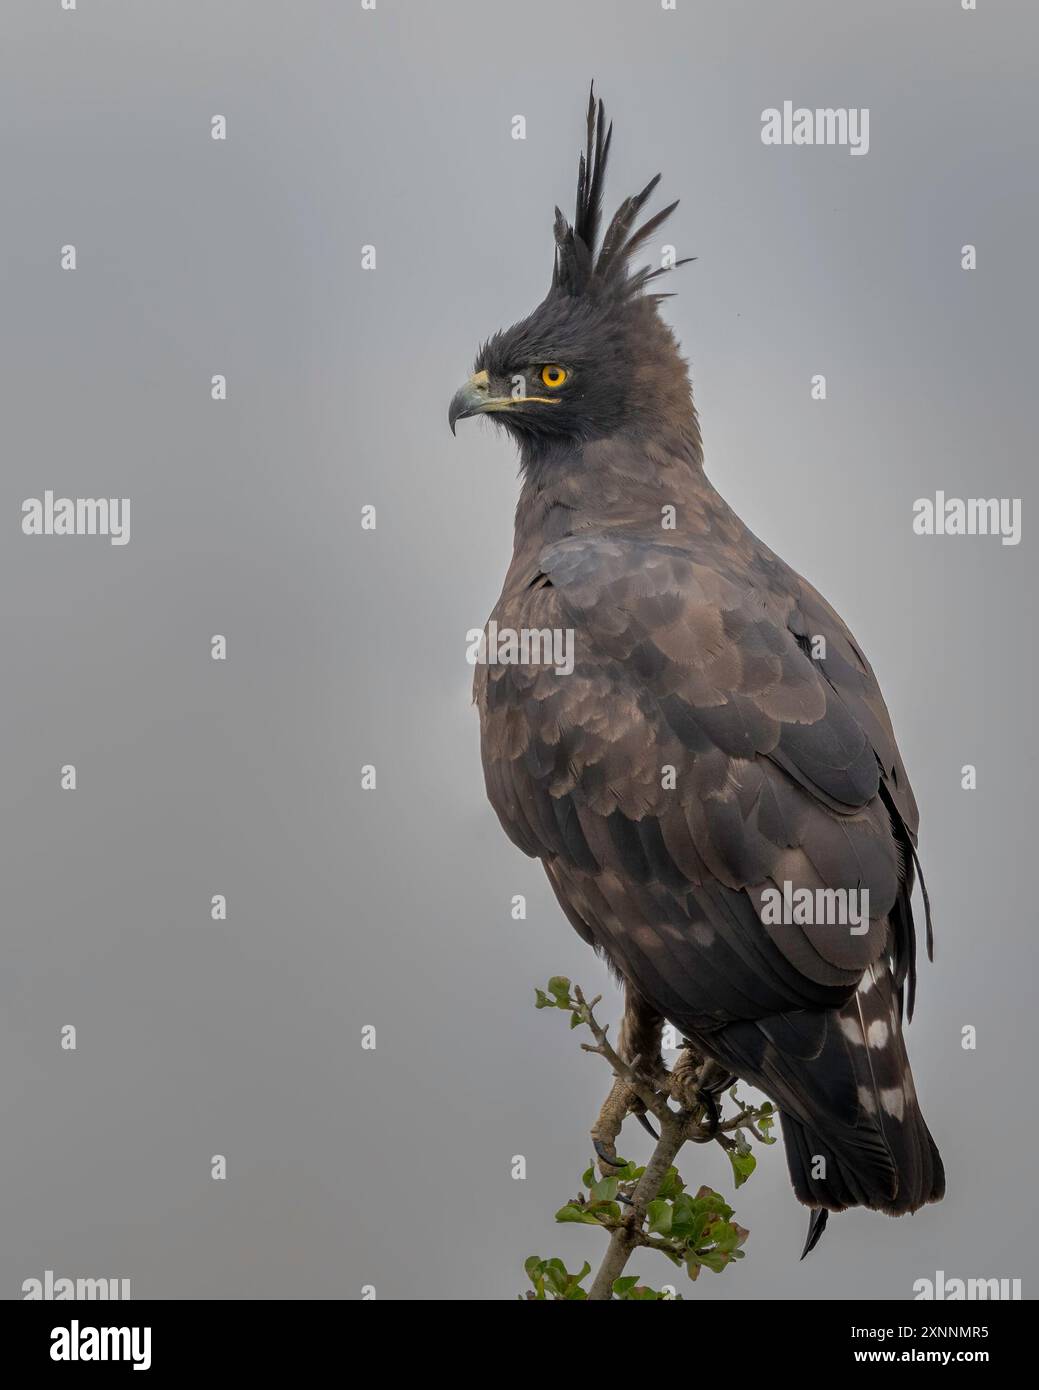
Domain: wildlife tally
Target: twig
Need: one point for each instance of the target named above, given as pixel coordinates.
(630, 1234)
(677, 1127)
(640, 1084)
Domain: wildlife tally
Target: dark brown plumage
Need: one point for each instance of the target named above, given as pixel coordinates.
(696, 649)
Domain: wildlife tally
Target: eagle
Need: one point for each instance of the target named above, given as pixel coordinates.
(716, 745)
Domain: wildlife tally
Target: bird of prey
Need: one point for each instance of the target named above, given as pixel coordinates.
(718, 739)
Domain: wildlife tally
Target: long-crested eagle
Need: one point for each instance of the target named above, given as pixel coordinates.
(720, 739)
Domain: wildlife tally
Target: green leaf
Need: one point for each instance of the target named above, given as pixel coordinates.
(542, 1000)
(691, 1228)
(672, 1184)
(742, 1166)
(688, 1218)
(710, 1201)
(628, 1282)
(659, 1213)
(561, 1284)
(559, 988)
(725, 1237)
(572, 1213)
(535, 1268)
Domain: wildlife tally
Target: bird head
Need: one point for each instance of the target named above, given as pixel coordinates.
(594, 354)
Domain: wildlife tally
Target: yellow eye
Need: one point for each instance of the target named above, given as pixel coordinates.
(553, 375)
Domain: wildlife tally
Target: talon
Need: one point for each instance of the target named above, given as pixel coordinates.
(707, 1100)
(605, 1155)
(640, 1115)
(715, 1079)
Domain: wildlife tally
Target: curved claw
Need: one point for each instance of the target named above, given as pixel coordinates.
(707, 1100)
(640, 1115)
(605, 1155)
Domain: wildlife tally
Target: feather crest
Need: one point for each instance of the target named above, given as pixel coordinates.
(581, 266)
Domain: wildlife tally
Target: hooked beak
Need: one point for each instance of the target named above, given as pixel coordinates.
(473, 398)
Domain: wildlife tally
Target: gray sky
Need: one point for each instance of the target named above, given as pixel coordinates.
(391, 908)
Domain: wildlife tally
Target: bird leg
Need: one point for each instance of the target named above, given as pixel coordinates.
(696, 1083)
(638, 1044)
(616, 1106)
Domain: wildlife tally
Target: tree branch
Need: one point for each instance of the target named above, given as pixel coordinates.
(624, 1240)
(696, 1231)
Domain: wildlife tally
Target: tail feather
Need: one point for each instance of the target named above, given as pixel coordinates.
(852, 1126)
(816, 1225)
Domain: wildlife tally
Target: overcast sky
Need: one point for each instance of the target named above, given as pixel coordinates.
(391, 908)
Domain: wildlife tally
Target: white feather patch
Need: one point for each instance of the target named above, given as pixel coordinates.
(851, 1030)
(894, 1102)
